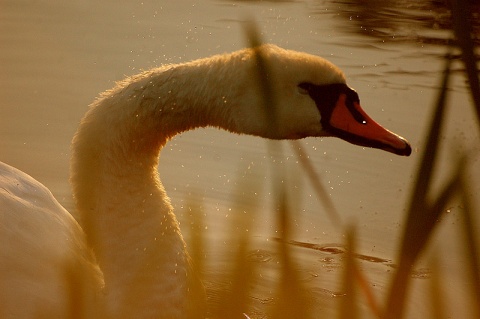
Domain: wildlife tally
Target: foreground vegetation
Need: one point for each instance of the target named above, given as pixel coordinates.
(424, 215)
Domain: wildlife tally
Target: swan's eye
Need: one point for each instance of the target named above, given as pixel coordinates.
(303, 88)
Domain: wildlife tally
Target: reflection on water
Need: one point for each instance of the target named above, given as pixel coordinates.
(426, 22)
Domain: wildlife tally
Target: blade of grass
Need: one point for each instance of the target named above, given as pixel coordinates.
(353, 275)
(197, 256)
(436, 291)
(471, 244)
(314, 178)
(76, 303)
(197, 238)
(415, 235)
(262, 75)
(366, 289)
(427, 161)
(418, 241)
(235, 302)
(292, 300)
(463, 32)
(349, 308)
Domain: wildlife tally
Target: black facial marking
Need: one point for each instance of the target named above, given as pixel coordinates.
(352, 97)
(326, 97)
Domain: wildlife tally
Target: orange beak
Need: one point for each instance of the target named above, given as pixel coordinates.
(362, 130)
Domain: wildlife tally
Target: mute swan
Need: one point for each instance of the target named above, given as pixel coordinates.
(129, 259)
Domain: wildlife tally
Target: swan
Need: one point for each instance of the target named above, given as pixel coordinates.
(128, 258)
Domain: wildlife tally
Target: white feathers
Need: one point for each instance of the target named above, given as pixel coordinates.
(124, 210)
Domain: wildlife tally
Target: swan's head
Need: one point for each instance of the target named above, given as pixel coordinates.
(309, 97)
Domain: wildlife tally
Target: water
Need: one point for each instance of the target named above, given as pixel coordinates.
(56, 57)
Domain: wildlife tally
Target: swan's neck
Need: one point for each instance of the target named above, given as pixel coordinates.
(125, 211)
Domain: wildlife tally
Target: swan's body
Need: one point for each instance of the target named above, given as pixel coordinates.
(42, 252)
(126, 215)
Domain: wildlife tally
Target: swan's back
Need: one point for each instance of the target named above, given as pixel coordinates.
(37, 238)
